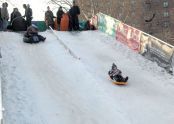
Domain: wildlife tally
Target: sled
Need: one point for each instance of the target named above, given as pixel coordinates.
(120, 83)
(64, 24)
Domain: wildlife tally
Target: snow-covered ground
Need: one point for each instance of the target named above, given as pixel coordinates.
(44, 84)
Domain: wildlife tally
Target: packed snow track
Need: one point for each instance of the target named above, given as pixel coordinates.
(43, 84)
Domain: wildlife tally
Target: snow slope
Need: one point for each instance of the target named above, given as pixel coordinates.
(44, 84)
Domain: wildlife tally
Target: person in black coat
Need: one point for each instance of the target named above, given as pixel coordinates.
(28, 14)
(1, 27)
(116, 74)
(15, 14)
(49, 18)
(17, 22)
(60, 12)
(74, 12)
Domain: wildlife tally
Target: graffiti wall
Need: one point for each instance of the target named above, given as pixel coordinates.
(143, 43)
(129, 36)
(94, 21)
(156, 50)
(107, 24)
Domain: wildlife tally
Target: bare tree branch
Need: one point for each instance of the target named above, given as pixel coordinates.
(66, 4)
(61, 2)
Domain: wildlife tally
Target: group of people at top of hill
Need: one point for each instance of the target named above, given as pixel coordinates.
(17, 21)
(64, 21)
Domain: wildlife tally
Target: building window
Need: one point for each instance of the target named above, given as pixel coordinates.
(148, 4)
(166, 14)
(133, 2)
(166, 24)
(147, 1)
(165, 4)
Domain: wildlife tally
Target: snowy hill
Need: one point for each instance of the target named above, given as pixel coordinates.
(44, 84)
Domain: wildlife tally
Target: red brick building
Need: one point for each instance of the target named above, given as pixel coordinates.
(155, 17)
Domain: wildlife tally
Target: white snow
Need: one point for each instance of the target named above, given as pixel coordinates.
(44, 84)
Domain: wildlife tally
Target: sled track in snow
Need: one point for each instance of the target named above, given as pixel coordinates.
(44, 84)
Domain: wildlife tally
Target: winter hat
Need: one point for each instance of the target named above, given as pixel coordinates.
(114, 66)
(34, 26)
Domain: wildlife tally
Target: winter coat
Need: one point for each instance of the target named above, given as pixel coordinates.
(4, 13)
(0, 14)
(32, 36)
(74, 21)
(14, 16)
(0, 21)
(28, 13)
(74, 11)
(49, 18)
(114, 72)
(19, 24)
(59, 16)
(87, 25)
(35, 38)
(64, 25)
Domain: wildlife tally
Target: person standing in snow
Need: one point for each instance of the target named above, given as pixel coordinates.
(0, 20)
(17, 22)
(49, 18)
(28, 14)
(4, 16)
(15, 14)
(64, 24)
(74, 20)
(60, 12)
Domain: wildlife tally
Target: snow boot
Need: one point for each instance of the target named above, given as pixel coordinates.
(126, 79)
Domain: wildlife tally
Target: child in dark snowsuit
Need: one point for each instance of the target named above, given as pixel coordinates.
(32, 36)
(116, 74)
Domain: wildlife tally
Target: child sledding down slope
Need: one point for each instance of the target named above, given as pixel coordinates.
(116, 75)
(32, 36)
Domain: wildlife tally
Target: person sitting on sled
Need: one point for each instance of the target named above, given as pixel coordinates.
(32, 36)
(116, 74)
